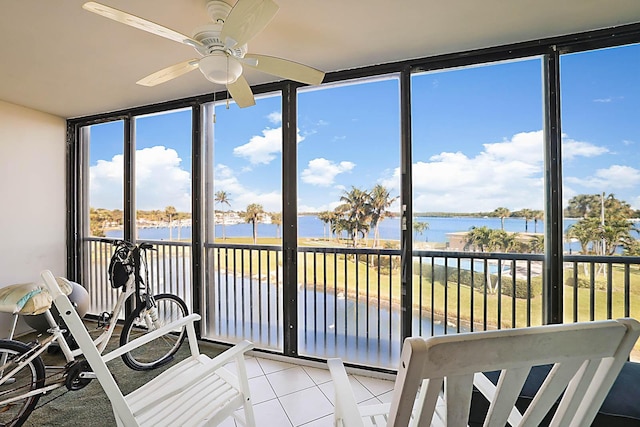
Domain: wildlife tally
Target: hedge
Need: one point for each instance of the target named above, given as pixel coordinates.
(506, 285)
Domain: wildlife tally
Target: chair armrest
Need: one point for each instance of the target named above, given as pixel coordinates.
(188, 321)
(346, 407)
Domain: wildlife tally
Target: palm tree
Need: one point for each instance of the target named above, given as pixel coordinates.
(537, 215)
(584, 231)
(536, 245)
(380, 200)
(481, 238)
(501, 213)
(253, 215)
(528, 215)
(419, 227)
(357, 212)
(222, 197)
(583, 205)
(327, 218)
(169, 213)
(478, 237)
(276, 219)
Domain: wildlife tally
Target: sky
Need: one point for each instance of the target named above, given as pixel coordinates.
(476, 141)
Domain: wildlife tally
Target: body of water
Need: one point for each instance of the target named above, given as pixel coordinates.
(309, 226)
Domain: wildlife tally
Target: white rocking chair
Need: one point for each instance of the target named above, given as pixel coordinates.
(197, 391)
(586, 359)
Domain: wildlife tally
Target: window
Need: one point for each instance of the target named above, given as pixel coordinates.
(477, 188)
(601, 177)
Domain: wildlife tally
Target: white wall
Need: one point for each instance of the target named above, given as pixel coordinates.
(32, 197)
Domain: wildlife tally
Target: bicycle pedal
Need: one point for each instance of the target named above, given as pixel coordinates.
(104, 319)
(79, 375)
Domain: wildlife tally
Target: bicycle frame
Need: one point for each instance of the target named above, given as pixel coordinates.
(36, 351)
(103, 339)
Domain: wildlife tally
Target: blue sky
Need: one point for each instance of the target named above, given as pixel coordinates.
(477, 141)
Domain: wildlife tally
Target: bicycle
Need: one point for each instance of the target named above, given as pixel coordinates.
(23, 375)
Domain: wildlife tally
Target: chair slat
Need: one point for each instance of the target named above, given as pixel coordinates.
(549, 392)
(586, 359)
(507, 390)
(458, 389)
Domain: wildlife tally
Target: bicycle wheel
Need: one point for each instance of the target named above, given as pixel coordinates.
(167, 308)
(29, 377)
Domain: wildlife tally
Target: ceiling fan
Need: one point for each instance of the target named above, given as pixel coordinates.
(222, 45)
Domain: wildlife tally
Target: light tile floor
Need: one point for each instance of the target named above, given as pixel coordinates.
(291, 395)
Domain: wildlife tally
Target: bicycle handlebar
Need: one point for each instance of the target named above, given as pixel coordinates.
(129, 245)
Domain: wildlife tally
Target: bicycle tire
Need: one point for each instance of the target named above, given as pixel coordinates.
(160, 351)
(30, 377)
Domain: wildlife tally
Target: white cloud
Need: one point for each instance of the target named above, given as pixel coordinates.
(240, 196)
(524, 146)
(160, 181)
(507, 173)
(262, 149)
(275, 117)
(105, 183)
(572, 148)
(612, 178)
(322, 172)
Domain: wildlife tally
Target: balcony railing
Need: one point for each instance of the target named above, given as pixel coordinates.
(169, 272)
(350, 300)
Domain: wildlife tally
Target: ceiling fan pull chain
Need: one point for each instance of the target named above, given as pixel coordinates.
(214, 107)
(228, 94)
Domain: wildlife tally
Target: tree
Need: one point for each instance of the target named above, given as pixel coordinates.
(169, 213)
(584, 231)
(537, 215)
(380, 200)
(493, 241)
(356, 213)
(536, 245)
(501, 213)
(527, 215)
(604, 224)
(276, 219)
(419, 227)
(253, 215)
(98, 219)
(582, 205)
(479, 238)
(222, 197)
(327, 218)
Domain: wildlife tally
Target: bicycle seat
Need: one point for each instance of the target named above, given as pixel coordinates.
(29, 298)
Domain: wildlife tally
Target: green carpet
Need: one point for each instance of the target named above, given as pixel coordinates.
(89, 406)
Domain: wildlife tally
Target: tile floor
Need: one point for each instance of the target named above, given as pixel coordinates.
(291, 395)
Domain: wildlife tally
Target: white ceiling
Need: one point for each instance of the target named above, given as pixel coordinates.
(60, 59)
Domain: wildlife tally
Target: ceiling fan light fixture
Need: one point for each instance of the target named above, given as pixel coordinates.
(218, 68)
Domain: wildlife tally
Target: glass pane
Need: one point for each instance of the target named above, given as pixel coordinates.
(478, 197)
(244, 223)
(601, 181)
(163, 176)
(103, 209)
(348, 224)
(104, 146)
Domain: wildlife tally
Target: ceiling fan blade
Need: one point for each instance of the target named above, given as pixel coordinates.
(287, 69)
(241, 93)
(246, 20)
(169, 73)
(139, 23)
